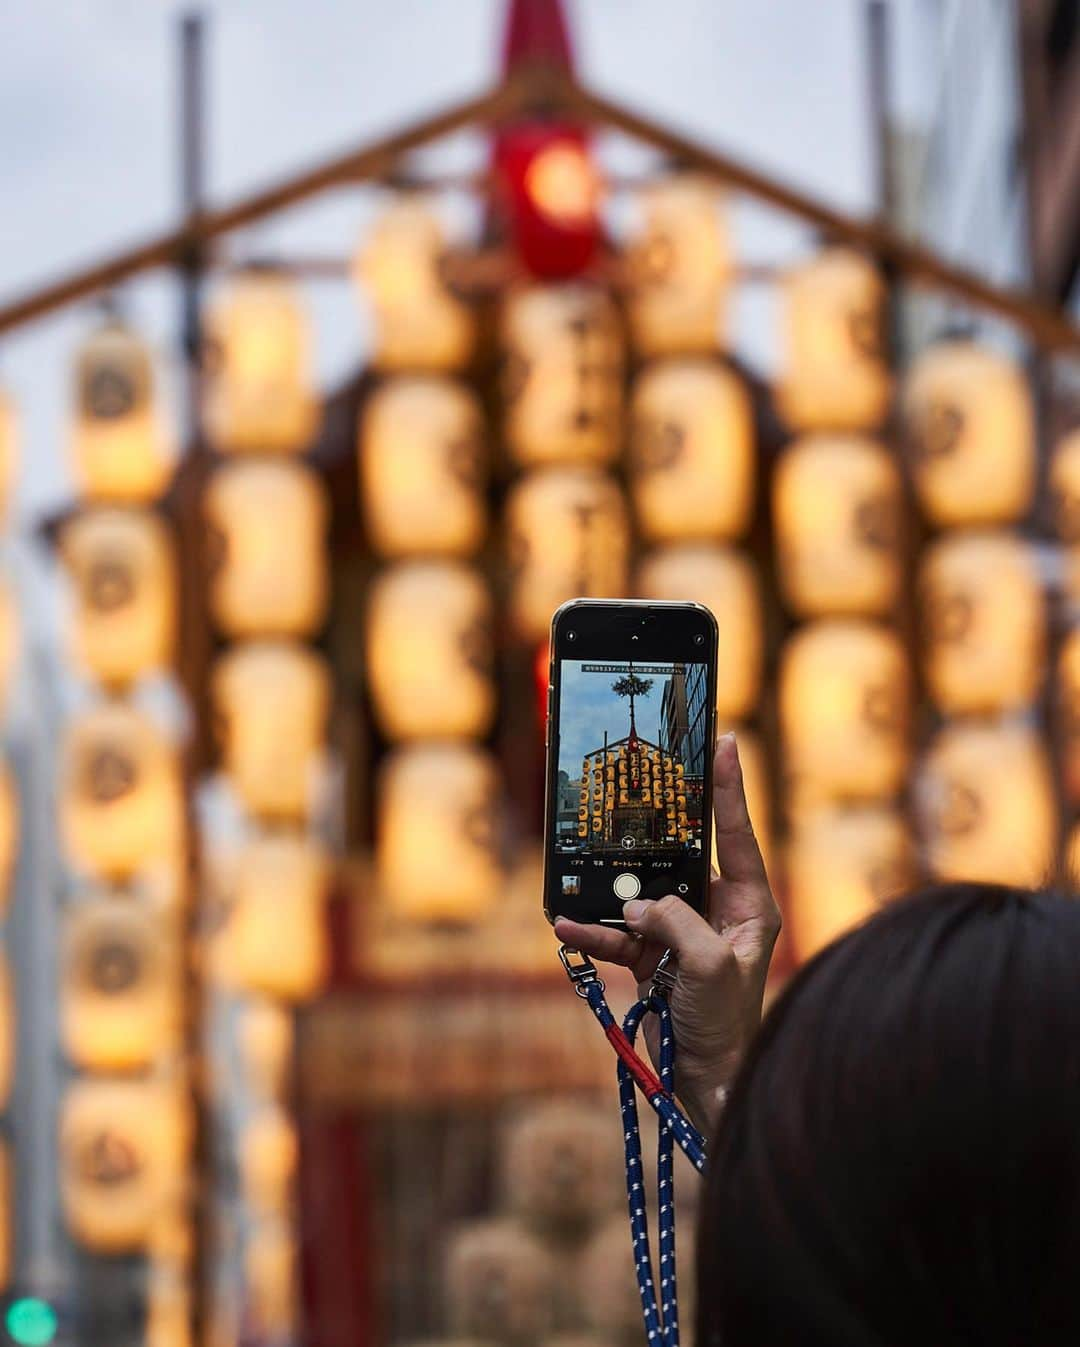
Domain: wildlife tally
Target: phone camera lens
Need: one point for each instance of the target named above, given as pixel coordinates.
(571, 635)
(699, 639)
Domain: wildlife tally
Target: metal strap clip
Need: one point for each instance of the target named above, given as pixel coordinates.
(663, 980)
(580, 969)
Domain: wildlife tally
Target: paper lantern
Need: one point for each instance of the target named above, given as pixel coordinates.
(430, 652)
(1072, 859)
(9, 833)
(259, 396)
(968, 415)
(680, 268)
(272, 700)
(419, 323)
(9, 452)
(986, 802)
(266, 1036)
(437, 817)
(550, 191)
(267, 521)
(844, 712)
(169, 1311)
(120, 449)
(842, 864)
(275, 941)
(1068, 719)
(515, 931)
(123, 1157)
(121, 794)
(423, 468)
(834, 375)
(1065, 488)
(985, 617)
(502, 1283)
(270, 1281)
(837, 503)
(726, 582)
(120, 1006)
(691, 452)
(559, 1166)
(123, 571)
(268, 1158)
(568, 537)
(562, 378)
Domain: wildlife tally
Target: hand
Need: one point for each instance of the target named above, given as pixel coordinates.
(722, 957)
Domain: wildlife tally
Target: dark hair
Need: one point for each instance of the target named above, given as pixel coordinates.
(899, 1161)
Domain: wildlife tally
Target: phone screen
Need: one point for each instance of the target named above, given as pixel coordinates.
(630, 750)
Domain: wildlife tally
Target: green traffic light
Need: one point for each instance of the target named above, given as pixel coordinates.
(30, 1322)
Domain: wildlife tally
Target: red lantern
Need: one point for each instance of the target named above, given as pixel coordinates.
(550, 193)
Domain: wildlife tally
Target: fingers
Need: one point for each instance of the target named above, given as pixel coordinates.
(738, 856)
(602, 942)
(669, 923)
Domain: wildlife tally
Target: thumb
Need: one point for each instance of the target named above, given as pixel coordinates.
(671, 922)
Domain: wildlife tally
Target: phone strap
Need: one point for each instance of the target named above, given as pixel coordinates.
(661, 1318)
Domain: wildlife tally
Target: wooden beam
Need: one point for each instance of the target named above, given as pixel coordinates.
(357, 165)
(1047, 326)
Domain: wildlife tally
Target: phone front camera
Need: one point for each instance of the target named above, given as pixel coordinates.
(699, 639)
(571, 635)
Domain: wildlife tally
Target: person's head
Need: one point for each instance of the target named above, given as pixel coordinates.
(899, 1162)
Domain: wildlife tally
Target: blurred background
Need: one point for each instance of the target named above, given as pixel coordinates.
(339, 344)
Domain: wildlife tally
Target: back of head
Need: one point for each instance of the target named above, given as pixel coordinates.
(899, 1162)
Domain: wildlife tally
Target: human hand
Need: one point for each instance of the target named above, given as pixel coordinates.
(722, 958)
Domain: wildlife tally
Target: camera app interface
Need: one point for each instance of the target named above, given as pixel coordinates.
(633, 743)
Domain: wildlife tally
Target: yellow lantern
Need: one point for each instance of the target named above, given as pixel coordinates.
(268, 1158)
(9, 452)
(168, 1308)
(436, 829)
(122, 801)
(9, 833)
(419, 323)
(423, 468)
(691, 452)
(267, 520)
(272, 700)
(1065, 488)
(562, 381)
(270, 1281)
(275, 940)
(1072, 859)
(969, 417)
(123, 1154)
(1068, 701)
(266, 1039)
(259, 394)
(568, 537)
(985, 614)
(834, 375)
(844, 712)
(120, 1003)
(842, 864)
(726, 582)
(987, 806)
(430, 653)
(120, 449)
(837, 504)
(123, 570)
(680, 268)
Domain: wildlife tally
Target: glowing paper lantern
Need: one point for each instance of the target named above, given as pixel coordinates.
(985, 615)
(969, 417)
(168, 1308)
(119, 447)
(9, 833)
(501, 1281)
(259, 393)
(562, 381)
(270, 1280)
(123, 1151)
(275, 941)
(1072, 859)
(272, 700)
(568, 536)
(419, 323)
(266, 1038)
(550, 192)
(726, 582)
(1065, 488)
(837, 503)
(834, 376)
(120, 985)
(438, 801)
(423, 468)
(124, 578)
(267, 519)
(842, 864)
(987, 807)
(121, 796)
(9, 452)
(691, 452)
(680, 267)
(844, 712)
(430, 652)
(268, 1157)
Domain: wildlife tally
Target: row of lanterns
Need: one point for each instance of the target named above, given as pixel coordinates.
(127, 1116)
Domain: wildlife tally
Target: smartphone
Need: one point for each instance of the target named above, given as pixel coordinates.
(630, 736)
